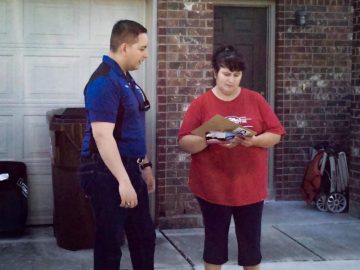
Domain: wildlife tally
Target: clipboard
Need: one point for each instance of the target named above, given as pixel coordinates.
(220, 123)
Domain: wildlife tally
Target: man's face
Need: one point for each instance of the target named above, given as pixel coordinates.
(137, 52)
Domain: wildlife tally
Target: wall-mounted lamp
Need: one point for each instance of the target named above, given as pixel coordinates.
(300, 16)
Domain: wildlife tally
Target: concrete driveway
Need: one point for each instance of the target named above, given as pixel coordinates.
(295, 237)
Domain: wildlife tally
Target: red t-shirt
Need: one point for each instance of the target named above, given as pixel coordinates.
(236, 176)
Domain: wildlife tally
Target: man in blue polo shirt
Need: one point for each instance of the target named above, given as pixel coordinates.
(115, 171)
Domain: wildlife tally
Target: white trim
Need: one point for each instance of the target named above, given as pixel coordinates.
(241, 3)
(271, 12)
(271, 92)
(150, 83)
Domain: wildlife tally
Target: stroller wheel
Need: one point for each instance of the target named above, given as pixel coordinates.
(321, 200)
(336, 202)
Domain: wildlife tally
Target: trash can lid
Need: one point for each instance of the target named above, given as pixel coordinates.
(74, 111)
(70, 115)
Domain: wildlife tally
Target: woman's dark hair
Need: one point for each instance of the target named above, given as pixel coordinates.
(227, 57)
(125, 31)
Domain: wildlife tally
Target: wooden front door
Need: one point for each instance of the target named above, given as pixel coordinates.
(245, 28)
(248, 29)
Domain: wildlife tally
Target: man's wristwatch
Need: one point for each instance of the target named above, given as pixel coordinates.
(144, 165)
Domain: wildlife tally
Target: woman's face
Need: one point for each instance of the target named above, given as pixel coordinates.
(228, 81)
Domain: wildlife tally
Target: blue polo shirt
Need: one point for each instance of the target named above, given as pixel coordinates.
(105, 92)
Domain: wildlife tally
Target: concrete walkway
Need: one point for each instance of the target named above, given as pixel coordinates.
(294, 237)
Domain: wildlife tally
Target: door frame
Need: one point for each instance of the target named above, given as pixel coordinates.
(270, 76)
(150, 82)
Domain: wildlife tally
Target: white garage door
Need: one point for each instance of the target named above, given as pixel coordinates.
(48, 49)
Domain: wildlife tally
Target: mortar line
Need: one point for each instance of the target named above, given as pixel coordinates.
(299, 243)
(178, 250)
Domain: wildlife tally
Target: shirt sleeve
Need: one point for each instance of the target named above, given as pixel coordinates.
(192, 119)
(271, 122)
(102, 101)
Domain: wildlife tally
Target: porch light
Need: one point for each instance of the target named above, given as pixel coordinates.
(300, 16)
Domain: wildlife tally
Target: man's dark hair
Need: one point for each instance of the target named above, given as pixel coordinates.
(125, 31)
(227, 57)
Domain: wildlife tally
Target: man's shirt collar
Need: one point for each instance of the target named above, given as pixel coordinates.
(115, 66)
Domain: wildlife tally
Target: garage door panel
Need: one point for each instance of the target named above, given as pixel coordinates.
(7, 20)
(4, 26)
(7, 139)
(38, 167)
(94, 63)
(51, 21)
(48, 50)
(7, 77)
(104, 13)
(51, 78)
(41, 191)
(40, 198)
(36, 137)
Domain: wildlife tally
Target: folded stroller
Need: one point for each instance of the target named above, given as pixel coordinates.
(325, 182)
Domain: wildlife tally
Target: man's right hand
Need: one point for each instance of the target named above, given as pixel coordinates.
(128, 195)
(107, 146)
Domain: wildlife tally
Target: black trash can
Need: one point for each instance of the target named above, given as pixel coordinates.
(73, 220)
(13, 197)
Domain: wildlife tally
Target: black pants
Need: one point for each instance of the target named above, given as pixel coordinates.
(111, 220)
(217, 220)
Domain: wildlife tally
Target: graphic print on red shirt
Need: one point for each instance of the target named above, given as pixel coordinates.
(242, 120)
(236, 176)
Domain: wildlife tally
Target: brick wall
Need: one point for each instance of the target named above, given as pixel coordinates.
(355, 119)
(313, 84)
(313, 91)
(184, 72)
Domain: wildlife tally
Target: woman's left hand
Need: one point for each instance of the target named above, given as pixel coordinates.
(264, 140)
(244, 141)
(247, 141)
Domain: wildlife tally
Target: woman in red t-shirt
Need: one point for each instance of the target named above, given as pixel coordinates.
(230, 179)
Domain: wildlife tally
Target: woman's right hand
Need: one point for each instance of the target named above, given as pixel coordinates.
(192, 144)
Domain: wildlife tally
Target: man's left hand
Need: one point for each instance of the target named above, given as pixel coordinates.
(149, 179)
